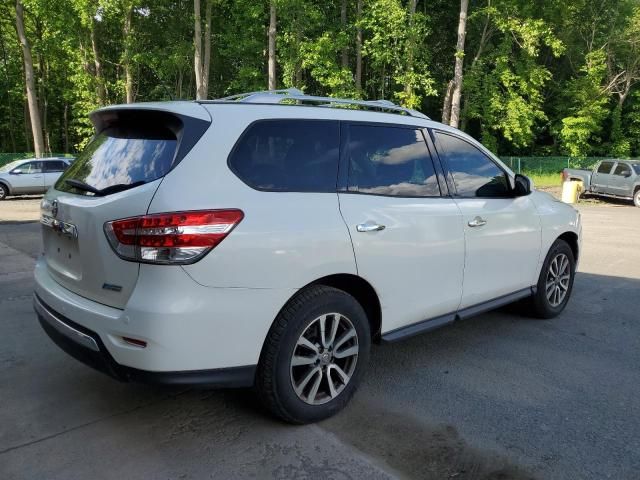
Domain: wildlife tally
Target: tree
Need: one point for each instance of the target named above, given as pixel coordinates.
(202, 64)
(588, 108)
(30, 84)
(358, 74)
(272, 45)
(451, 111)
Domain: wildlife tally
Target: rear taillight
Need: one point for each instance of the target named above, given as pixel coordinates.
(170, 238)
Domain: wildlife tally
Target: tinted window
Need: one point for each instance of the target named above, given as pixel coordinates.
(605, 167)
(390, 161)
(122, 156)
(474, 174)
(288, 155)
(622, 169)
(55, 166)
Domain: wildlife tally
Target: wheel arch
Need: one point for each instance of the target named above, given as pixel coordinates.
(6, 185)
(363, 292)
(572, 239)
(358, 288)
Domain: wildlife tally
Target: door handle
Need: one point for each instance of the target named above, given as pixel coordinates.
(477, 222)
(369, 227)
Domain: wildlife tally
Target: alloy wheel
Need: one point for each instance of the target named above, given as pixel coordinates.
(558, 278)
(324, 359)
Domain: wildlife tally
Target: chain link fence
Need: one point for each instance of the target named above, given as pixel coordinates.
(545, 171)
(548, 165)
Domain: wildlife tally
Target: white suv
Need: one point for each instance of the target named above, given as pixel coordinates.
(267, 239)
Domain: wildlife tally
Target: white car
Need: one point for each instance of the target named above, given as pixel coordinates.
(267, 239)
(31, 176)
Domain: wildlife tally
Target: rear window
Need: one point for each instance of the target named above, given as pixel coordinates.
(121, 157)
(288, 155)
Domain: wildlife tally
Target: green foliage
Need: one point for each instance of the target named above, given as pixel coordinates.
(505, 87)
(588, 107)
(540, 78)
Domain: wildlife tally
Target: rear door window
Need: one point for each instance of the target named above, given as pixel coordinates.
(121, 157)
(622, 169)
(55, 166)
(391, 161)
(288, 155)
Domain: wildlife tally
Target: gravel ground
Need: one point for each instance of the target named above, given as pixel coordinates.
(20, 209)
(501, 396)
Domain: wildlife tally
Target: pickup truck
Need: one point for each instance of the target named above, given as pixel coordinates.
(610, 178)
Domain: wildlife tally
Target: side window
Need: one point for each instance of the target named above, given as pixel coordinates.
(605, 167)
(55, 166)
(474, 174)
(31, 167)
(622, 169)
(288, 155)
(390, 161)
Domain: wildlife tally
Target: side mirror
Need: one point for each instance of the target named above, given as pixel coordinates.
(627, 174)
(523, 185)
(16, 171)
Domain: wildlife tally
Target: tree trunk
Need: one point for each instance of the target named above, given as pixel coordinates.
(343, 23)
(100, 87)
(272, 46)
(27, 122)
(359, 48)
(127, 54)
(408, 88)
(446, 108)
(202, 61)
(207, 49)
(30, 85)
(197, 43)
(66, 128)
(457, 76)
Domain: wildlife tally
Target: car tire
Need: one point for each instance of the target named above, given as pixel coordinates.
(4, 191)
(300, 377)
(555, 282)
(636, 198)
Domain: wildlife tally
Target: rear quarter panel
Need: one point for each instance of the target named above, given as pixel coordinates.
(286, 240)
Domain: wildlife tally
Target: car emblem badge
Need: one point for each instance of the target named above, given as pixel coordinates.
(54, 208)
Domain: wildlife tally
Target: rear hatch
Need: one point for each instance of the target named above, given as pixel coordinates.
(115, 177)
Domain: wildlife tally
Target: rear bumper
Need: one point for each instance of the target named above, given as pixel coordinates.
(188, 328)
(86, 346)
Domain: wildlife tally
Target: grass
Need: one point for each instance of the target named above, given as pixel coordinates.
(544, 179)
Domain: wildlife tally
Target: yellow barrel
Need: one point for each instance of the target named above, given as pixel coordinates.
(571, 191)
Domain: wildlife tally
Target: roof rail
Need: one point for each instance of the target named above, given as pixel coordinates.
(293, 94)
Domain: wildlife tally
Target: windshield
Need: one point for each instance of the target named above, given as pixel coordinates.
(10, 166)
(636, 167)
(121, 157)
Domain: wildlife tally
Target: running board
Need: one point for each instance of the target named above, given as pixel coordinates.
(437, 322)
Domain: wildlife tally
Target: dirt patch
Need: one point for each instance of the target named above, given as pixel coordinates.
(416, 450)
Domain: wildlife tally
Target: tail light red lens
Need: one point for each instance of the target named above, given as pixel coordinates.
(171, 238)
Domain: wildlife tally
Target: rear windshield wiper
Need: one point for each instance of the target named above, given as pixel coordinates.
(80, 185)
(119, 187)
